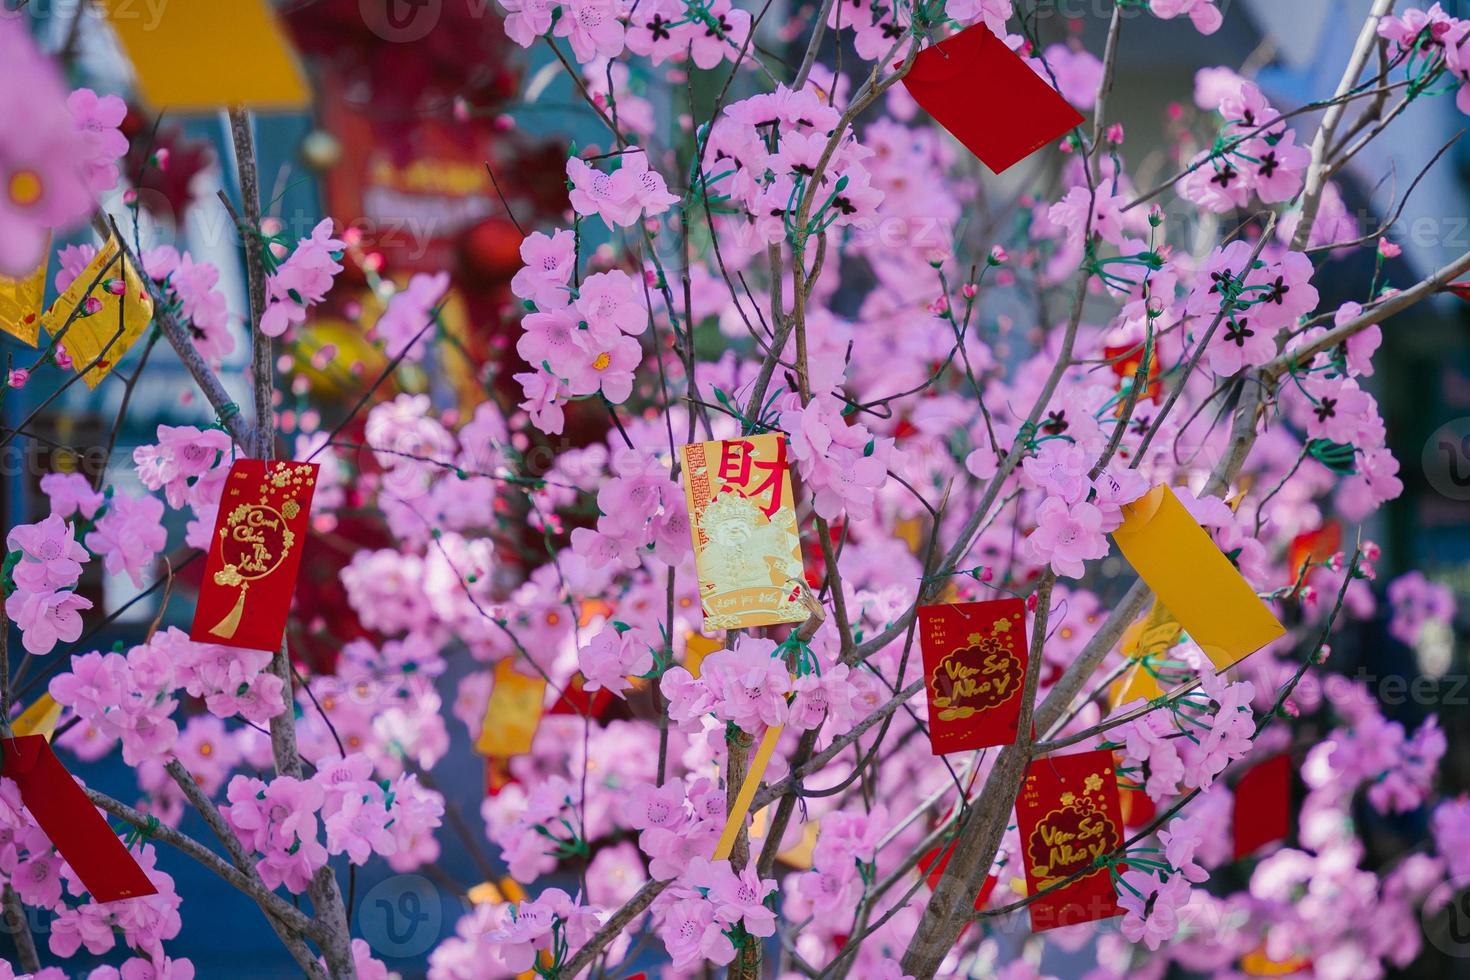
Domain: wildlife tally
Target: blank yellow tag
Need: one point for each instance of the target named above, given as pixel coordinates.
(753, 776)
(119, 301)
(485, 893)
(39, 719)
(799, 855)
(697, 646)
(202, 56)
(514, 712)
(1134, 684)
(1258, 963)
(21, 299)
(1193, 579)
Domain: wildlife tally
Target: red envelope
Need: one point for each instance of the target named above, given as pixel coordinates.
(71, 821)
(253, 559)
(1262, 805)
(575, 700)
(1068, 815)
(988, 97)
(974, 668)
(934, 863)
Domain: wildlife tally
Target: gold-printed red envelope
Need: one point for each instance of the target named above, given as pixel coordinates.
(974, 666)
(743, 522)
(1069, 816)
(251, 572)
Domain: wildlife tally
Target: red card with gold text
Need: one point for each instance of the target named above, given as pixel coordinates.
(1068, 816)
(255, 554)
(988, 97)
(974, 666)
(71, 821)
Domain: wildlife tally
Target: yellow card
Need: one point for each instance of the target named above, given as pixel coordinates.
(753, 776)
(120, 302)
(743, 522)
(508, 890)
(799, 855)
(1134, 684)
(21, 299)
(1193, 579)
(1151, 635)
(697, 646)
(514, 712)
(485, 893)
(910, 530)
(39, 719)
(1258, 963)
(202, 56)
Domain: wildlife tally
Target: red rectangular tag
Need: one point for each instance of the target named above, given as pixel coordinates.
(248, 582)
(71, 821)
(1262, 805)
(988, 97)
(1068, 816)
(974, 667)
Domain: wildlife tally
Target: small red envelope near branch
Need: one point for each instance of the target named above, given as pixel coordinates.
(932, 866)
(71, 821)
(255, 554)
(577, 700)
(974, 666)
(988, 97)
(1069, 816)
(1262, 805)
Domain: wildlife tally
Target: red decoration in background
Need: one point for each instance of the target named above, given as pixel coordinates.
(988, 97)
(933, 864)
(1318, 545)
(409, 59)
(1262, 805)
(575, 700)
(161, 164)
(65, 814)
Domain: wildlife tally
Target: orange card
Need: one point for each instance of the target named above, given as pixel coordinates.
(199, 57)
(113, 315)
(513, 713)
(743, 522)
(1193, 578)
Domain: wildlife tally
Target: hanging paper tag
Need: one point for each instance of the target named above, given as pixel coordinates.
(753, 776)
(189, 60)
(39, 719)
(1262, 805)
(1193, 578)
(255, 554)
(512, 714)
(21, 299)
(743, 522)
(974, 665)
(988, 97)
(1068, 816)
(113, 314)
(697, 646)
(71, 821)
